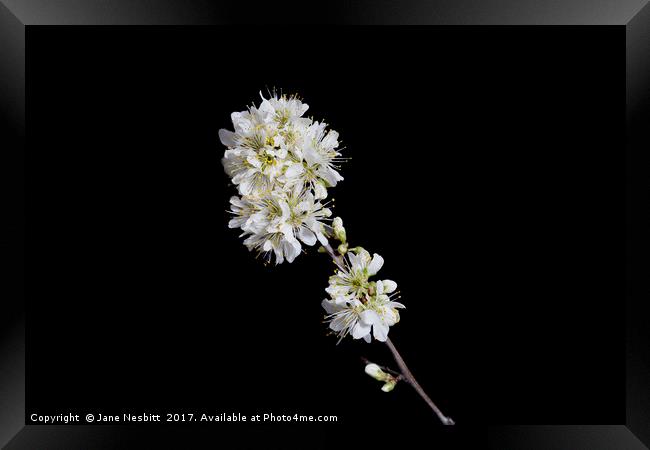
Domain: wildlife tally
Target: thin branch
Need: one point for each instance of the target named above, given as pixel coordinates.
(338, 259)
(413, 382)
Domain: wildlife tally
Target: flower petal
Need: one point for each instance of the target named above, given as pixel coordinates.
(320, 191)
(360, 330)
(329, 175)
(227, 137)
(306, 235)
(354, 260)
(328, 306)
(294, 170)
(389, 286)
(380, 331)
(395, 305)
(291, 248)
(375, 264)
(321, 238)
(363, 258)
(369, 317)
(236, 222)
(311, 156)
(340, 300)
(338, 323)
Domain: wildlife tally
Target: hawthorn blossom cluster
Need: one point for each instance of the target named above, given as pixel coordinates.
(357, 305)
(282, 164)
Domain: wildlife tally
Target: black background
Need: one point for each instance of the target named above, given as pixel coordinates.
(487, 169)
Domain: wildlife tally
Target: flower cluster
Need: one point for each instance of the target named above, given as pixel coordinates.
(282, 164)
(357, 305)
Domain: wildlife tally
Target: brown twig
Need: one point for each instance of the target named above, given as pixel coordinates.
(338, 259)
(413, 382)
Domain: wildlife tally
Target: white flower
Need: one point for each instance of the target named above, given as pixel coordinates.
(279, 222)
(305, 217)
(358, 306)
(255, 170)
(282, 164)
(321, 157)
(344, 315)
(287, 110)
(382, 303)
(279, 241)
(244, 211)
(266, 226)
(381, 313)
(353, 277)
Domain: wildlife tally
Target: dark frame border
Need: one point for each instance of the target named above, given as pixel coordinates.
(634, 15)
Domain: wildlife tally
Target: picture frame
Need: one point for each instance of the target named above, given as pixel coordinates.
(632, 16)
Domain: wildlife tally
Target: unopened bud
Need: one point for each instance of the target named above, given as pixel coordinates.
(343, 248)
(339, 231)
(322, 249)
(375, 371)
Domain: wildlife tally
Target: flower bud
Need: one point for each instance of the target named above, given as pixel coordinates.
(343, 248)
(322, 249)
(374, 371)
(339, 231)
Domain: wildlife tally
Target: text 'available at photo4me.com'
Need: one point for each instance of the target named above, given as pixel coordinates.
(176, 417)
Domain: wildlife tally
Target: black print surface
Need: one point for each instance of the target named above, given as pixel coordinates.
(487, 169)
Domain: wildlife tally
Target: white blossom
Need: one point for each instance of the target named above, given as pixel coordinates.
(353, 277)
(357, 305)
(278, 223)
(282, 164)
